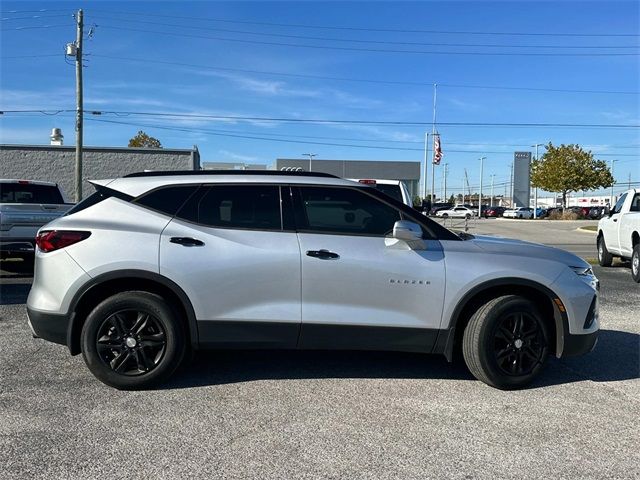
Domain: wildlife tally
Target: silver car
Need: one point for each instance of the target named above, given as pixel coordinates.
(156, 264)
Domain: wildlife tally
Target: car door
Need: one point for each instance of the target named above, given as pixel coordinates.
(358, 291)
(626, 225)
(230, 251)
(612, 227)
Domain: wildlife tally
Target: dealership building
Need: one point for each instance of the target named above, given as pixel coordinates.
(408, 172)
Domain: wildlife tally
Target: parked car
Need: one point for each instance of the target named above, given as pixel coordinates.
(155, 264)
(393, 188)
(457, 212)
(541, 212)
(519, 212)
(619, 233)
(493, 212)
(439, 206)
(25, 206)
(596, 213)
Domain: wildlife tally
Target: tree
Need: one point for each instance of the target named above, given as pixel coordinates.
(452, 199)
(569, 168)
(145, 141)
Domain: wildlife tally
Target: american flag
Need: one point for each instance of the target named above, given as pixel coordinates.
(437, 149)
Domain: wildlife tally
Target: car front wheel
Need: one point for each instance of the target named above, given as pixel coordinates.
(605, 259)
(635, 263)
(132, 340)
(505, 343)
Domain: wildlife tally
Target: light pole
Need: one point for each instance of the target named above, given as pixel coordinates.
(310, 155)
(482, 159)
(535, 190)
(492, 177)
(613, 162)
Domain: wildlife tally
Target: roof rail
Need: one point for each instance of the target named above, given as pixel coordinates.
(166, 173)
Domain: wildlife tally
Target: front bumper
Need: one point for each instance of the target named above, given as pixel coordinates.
(49, 326)
(575, 345)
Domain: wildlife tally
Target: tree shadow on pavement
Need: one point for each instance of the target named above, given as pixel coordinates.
(615, 358)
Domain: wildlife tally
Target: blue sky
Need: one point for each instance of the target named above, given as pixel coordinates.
(201, 85)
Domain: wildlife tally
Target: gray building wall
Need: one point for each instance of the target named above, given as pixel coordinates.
(57, 163)
(408, 172)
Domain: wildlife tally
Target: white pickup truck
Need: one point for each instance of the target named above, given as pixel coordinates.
(25, 206)
(619, 233)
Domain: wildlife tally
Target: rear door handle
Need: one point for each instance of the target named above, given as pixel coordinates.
(187, 241)
(323, 254)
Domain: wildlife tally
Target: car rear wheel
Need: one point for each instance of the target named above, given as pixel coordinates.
(505, 343)
(605, 259)
(132, 340)
(635, 263)
(445, 215)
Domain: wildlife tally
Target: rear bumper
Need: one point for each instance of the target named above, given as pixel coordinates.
(17, 245)
(49, 326)
(579, 344)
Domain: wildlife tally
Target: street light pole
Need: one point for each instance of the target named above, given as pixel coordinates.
(492, 177)
(535, 190)
(482, 159)
(310, 155)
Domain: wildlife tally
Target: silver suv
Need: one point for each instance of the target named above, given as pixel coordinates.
(155, 265)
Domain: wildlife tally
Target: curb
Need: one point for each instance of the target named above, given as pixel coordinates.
(584, 230)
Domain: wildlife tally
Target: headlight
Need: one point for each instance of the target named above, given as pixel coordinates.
(586, 274)
(582, 271)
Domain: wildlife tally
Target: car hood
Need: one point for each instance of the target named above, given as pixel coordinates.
(510, 246)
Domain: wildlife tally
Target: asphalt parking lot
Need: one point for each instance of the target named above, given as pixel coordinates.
(322, 414)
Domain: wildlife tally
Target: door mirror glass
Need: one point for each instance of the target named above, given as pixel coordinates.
(407, 231)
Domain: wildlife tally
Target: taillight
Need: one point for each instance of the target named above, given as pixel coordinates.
(56, 239)
(367, 182)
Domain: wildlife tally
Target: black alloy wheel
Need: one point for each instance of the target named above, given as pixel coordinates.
(131, 342)
(519, 345)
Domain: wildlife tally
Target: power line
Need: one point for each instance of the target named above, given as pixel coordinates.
(332, 121)
(32, 56)
(5, 19)
(369, 29)
(353, 40)
(35, 27)
(355, 49)
(362, 80)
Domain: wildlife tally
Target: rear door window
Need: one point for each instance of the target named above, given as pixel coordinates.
(255, 207)
(167, 199)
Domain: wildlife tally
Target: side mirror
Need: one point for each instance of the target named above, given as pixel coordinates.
(407, 231)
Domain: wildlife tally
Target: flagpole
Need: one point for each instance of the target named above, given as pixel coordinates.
(433, 131)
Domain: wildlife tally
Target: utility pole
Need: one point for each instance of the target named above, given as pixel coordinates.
(482, 159)
(444, 179)
(79, 107)
(310, 155)
(535, 190)
(613, 162)
(629, 186)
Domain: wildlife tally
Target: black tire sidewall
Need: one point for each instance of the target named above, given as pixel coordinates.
(604, 259)
(141, 301)
(634, 255)
(491, 322)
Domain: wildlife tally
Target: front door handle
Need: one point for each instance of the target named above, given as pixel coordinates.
(187, 241)
(323, 254)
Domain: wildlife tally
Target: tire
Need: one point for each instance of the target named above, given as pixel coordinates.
(467, 216)
(133, 340)
(635, 263)
(505, 343)
(445, 215)
(605, 259)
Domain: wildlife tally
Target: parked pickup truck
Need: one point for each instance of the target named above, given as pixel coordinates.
(25, 206)
(619, 233)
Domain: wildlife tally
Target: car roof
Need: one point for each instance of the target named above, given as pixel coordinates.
(29, 182)
(137, 184)
(377, 180)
